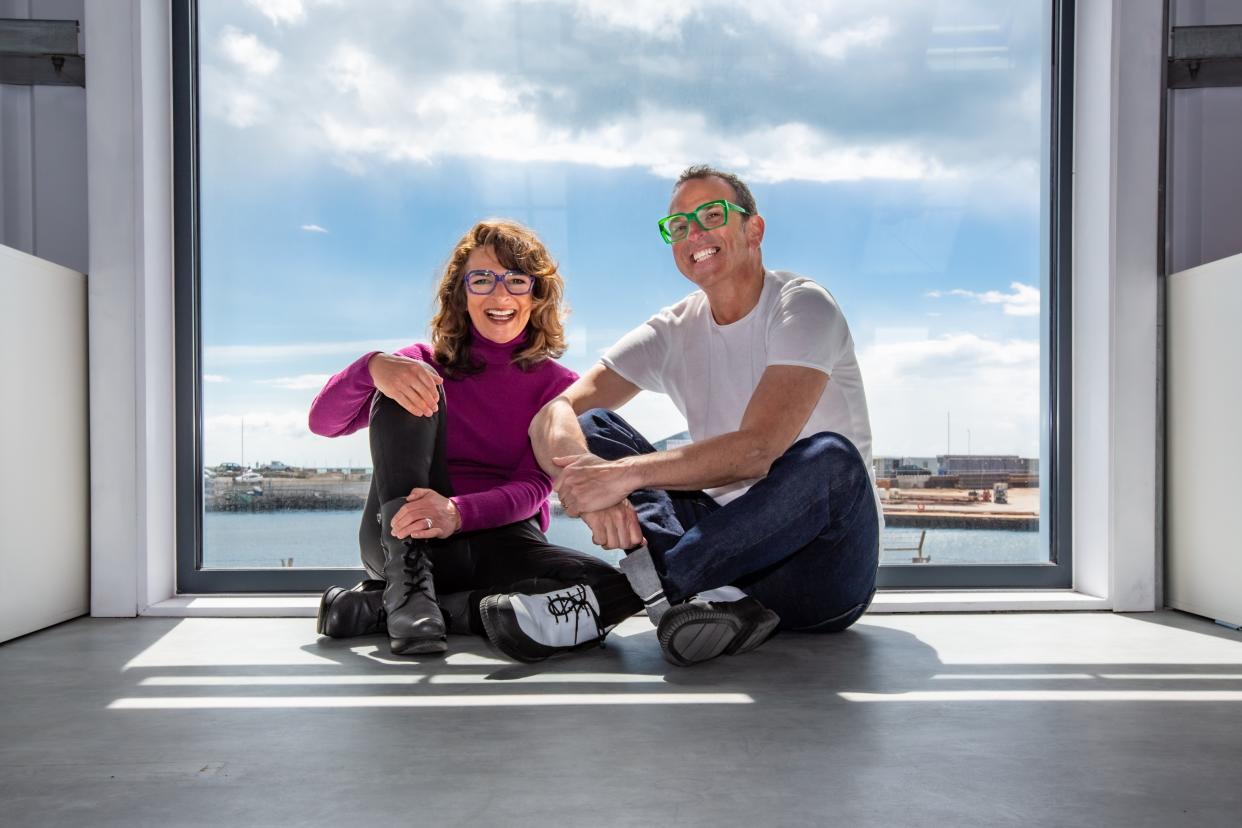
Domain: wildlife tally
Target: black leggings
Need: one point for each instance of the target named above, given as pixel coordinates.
(407, 452)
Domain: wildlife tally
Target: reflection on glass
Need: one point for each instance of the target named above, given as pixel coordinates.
(896, 150)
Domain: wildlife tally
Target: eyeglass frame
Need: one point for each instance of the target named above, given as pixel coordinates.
(497, 278)
(693, 216)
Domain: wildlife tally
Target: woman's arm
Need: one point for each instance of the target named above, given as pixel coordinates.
(343, 406)
(516, 500)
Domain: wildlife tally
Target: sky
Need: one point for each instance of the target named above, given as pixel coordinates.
(895, 148)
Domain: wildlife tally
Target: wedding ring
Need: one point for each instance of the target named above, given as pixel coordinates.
(428, 522)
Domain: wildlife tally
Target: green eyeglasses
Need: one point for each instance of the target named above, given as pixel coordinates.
(707, 216)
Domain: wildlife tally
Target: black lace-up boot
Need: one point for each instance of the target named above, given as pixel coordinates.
(345, 613)
(533, 627)
(415, 624)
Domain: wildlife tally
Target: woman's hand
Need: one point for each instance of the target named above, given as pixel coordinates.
(414, 385)
(423, 505)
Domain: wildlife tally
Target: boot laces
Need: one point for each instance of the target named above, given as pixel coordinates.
(417, 577)
(573, 602)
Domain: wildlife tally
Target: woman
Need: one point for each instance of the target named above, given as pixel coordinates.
(458, 505)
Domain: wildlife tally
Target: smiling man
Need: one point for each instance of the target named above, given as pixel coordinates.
(768, 519)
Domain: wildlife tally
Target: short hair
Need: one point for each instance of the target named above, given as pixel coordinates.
(517, 248)
(742, 195)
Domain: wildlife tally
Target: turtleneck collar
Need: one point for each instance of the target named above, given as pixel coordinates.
(494, 353)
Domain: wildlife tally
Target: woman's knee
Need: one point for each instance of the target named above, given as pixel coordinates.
(388, 414)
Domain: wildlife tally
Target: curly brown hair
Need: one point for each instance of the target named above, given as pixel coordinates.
(517, 248)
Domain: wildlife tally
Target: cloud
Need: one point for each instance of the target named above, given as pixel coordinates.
(278, 434)
(837, 44)
(248, 52)
(234, 354)
(314, 228)
(652, 86)
(652, 18)
(217, 378)
(281, 11)
(989, 386)
(301, 382)
(1024, 299)
(458, 117)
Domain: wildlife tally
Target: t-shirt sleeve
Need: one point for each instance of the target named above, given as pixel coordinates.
(808, 329)
(641, 355)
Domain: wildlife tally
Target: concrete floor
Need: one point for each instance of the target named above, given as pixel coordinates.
(936, 720)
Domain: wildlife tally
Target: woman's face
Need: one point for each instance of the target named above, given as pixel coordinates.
(500, 316)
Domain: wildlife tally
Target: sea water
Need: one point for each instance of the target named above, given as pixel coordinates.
(330, 539)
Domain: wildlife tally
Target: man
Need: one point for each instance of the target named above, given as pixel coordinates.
(768, 518)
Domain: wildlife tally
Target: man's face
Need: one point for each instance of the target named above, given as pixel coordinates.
(708, 257)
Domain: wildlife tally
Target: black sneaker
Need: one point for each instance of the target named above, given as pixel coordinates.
(698, 631)
(532, 627)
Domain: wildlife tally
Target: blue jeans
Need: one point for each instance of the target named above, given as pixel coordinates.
(804, 540)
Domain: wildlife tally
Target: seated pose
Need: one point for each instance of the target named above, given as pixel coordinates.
(768, 519)
(458, 505)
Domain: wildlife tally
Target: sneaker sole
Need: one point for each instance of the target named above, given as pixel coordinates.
(489, 612)
(699, 635)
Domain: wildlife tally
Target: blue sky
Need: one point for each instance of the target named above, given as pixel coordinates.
(894, 149)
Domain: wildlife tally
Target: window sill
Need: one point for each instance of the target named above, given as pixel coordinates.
(886, 602)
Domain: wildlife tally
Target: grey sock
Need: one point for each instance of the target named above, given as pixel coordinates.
(645, 581)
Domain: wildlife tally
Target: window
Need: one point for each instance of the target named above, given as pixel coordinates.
(905, 155)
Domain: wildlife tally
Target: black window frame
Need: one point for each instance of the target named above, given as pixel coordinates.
(192, 578)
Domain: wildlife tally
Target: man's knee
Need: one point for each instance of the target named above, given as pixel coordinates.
(603, 428)
(828, 453)
(597, 419)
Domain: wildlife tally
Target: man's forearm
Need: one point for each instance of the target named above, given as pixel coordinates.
(739, 455)
(554, 432)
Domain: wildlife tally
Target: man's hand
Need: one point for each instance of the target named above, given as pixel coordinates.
(615, 527)
(423, 505)
(588, 483)
(414, 385)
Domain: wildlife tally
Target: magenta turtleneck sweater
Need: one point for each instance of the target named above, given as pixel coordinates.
(491, 465)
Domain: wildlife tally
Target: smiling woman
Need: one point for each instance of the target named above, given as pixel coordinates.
(904, 155)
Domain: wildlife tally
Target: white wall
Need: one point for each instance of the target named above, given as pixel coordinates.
(1119, 54)
(130, 304)
(43, 156)
(44, 491)
(1205, 443)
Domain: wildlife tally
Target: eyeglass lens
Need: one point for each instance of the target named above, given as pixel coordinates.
(709, 216)
(484, 281)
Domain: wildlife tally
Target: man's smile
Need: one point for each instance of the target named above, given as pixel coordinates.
(704, 254)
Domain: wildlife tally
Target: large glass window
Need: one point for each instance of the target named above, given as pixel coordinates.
(903, 154)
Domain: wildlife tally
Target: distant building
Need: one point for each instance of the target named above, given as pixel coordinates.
(904, 472)
(981, 464)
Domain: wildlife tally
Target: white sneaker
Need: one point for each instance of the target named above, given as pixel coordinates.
(533, 627)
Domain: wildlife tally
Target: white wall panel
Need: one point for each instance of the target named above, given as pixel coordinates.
(44, 487)
(1204, 559)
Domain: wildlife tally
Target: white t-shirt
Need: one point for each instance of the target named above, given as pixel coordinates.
(710, 371)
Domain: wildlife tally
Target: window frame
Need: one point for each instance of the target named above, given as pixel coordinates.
(192, 578)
